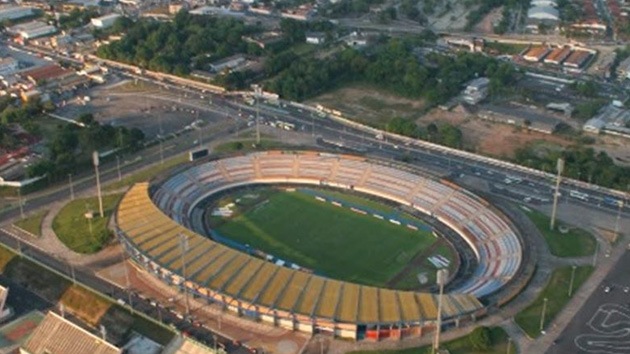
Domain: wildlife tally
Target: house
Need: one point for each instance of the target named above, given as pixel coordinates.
(228, 63)
(56, 335)
(104, 21)
(315, 37)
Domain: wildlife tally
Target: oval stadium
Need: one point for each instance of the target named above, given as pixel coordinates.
(153, 219)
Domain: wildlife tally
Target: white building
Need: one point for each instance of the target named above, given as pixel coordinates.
(543, 3)
(105, 21)
(315, 37)
(543, 13)
(32, 29)
(15, 12)
(8, 66)
(476, 90)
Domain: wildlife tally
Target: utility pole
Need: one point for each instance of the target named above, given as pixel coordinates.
(559, 168)
(542, 315)
(71, 186)
(183, 244)
(620, 205)
(118, 168)
(442, 275)
(95, 160)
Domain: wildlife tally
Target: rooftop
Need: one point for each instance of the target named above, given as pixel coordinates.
(56, 335)
(46, 72)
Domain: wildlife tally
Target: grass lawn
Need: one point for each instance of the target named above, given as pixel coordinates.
(86, 305)
(575, 243)
(457, 346)
(147, 173)
(335, 241)
(32, 224)
(247, 145)
(73, 228)
(557, 296)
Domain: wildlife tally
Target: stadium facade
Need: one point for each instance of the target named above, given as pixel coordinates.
(152, 219)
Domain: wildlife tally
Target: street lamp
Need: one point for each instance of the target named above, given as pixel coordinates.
(572, 279)
(442, 275)
(95, 161)
(71, 186)
(19, 190)
(559, 168)
(542, 315)
(118, 167)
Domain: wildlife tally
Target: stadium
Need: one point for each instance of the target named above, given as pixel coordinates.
(152, 219)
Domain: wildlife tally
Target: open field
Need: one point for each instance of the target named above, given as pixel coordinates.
(369, 105)
(575, 243)
(557, 294)
(33, 223)
(331, 240)
(461, 345)
(79, 233)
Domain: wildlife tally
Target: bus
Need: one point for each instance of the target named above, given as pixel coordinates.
(579, 195)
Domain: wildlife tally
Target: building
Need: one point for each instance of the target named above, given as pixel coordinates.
(265, 39)
(315, 37)
(8, 13)
(302, 13)
(557, 55)
(623, 69)
(228, 63)
(105, 21)
(33, 29)
(184, 345)
(536, 54)
(521, 117)
(8, 66)
(543, 13)
(610, 119)
(476, 90)
(577, 59)
(56, 335)
(543, 3)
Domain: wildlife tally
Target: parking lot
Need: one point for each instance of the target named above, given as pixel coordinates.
(150, 108)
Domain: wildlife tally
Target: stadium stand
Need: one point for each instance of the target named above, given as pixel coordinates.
(150, 224)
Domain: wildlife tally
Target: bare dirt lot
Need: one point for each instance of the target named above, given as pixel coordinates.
(493, 139)
(368, 105)
(502, 141)
(487, 24)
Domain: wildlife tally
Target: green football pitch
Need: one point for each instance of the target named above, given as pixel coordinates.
(331, 240)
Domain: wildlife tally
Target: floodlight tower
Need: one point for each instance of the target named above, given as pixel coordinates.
(95, 160)
(257, 92)
(556, 192)
(442, 276)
